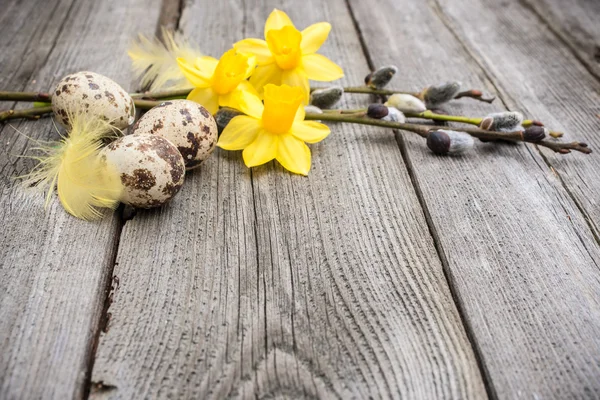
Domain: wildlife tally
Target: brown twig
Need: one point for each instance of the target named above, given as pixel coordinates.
(24, 96)
(32, 113)
(475, 94)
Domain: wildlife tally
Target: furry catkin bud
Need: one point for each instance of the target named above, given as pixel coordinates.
(435, 96)
(312, 109)
(502, 122)
(326, 97)
(224, 115)
(406, 103)
(381, 77)
(377, 111)
(534, 134)
(394, 115)
(449, 142)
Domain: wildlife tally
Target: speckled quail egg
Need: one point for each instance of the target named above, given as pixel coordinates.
(94, 94)
(186, 124)
(151, 169)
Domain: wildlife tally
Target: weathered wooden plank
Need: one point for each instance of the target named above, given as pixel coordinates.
(264, 284)
(522, 262)
(564, 95)
(54, 268)
(577, 23)
(27, 33)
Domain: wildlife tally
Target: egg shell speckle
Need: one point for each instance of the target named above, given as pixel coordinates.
(186, 124)
(93, 94)
(151, 169)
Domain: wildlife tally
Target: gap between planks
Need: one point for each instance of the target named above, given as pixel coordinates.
(431, 227)
(503, 96)
(562, 37)
(170, 14)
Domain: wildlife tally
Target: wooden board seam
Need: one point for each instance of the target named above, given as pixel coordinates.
(487, 383)
(562, 38)
(506, 99)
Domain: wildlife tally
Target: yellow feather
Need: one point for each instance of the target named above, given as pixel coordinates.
(155, 62)
(84, 181)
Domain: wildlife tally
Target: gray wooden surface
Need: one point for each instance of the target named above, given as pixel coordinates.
(387, 273)
(508, 231)
(55, 268)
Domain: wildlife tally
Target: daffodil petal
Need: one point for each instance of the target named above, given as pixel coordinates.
(277, 20)
(293, 154)
(239, 133)
(262, 150)
(257, 47)
(192, 74)
(247, 87)
(249, 104)
(297, 78)
(251, 65)
(264, 75)
(206, 66)
(310, 131)
(320, 68)
(314, 36)
(233, 98)
(300, 114)
(205, 97)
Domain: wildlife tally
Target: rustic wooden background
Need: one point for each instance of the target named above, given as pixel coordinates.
(387, 273)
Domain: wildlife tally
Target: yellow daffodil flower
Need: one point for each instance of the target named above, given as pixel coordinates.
(289, 56)
(275, 130)
(217, 83)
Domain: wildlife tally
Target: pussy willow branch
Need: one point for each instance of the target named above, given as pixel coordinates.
(358, 118)
(38, 112)
(474, 94)
(423, 130)
(182, 93)
(431, 115)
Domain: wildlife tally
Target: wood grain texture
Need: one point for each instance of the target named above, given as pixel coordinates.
(577, 23)
(553, 87)
(266, 284)
(521, 260)
(54, 268)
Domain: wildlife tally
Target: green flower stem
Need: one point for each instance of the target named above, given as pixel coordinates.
(423, 131)
(33, 113)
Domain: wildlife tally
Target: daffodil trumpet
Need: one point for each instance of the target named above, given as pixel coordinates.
(218, 83)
